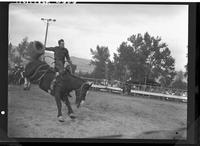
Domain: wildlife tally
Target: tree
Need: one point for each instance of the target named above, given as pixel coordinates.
(146, 58)
(123, 61)
(17, 60)
(21, 53)
(100, 60)
(23, 48)
(178, 82)
(110, 70)
(11, 54)
(118, 67)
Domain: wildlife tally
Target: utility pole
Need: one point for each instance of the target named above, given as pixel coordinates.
(47, 26)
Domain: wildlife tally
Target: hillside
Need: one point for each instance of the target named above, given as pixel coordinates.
(83, 65)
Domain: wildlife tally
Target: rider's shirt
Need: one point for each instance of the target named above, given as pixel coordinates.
(59, 53)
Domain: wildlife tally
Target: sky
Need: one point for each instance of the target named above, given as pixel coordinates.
(84, 26)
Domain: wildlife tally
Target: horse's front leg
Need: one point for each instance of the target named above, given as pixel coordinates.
(70, 111)
(59, 104)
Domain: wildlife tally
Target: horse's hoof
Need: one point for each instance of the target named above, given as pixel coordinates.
(61, 119)
(72, 116)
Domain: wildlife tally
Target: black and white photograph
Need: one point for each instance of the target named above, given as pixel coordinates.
(116, 71)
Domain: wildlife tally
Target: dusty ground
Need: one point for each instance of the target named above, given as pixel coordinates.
(33, 114)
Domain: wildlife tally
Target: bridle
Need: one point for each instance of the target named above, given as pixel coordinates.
(37, 70)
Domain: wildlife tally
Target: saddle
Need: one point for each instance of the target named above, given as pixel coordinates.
(53, 82)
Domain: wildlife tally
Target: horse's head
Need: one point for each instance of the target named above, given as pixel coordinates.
(36, 50)
(31, 70)
(81, 93)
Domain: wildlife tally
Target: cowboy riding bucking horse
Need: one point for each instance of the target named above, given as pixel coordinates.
(58, 81)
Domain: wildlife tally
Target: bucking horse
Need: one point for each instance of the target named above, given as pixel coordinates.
(41, 73)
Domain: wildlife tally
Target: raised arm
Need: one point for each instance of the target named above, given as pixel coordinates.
(50, 49)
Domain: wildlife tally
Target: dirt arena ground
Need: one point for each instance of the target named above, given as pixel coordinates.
(33, 114)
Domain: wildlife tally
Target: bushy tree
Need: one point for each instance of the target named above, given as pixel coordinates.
(17, 60)
(100, 60)
(14, 55)
(145, 57)
(23, 47)
(179, 83)
(11, 55)
(110, 71)
(20, 53)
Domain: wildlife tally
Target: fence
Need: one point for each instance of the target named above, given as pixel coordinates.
(147, 90)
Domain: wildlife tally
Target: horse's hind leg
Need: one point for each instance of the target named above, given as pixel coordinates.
(70, 111)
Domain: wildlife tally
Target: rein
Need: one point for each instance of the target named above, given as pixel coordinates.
(38, 70)
(39, 79)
